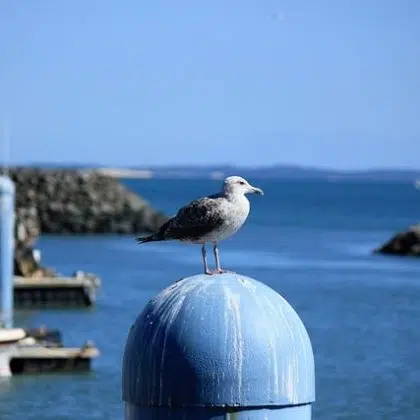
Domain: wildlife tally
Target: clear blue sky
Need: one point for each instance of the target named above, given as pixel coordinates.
(326, 83)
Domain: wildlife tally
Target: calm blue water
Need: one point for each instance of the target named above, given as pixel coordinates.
(309, 241)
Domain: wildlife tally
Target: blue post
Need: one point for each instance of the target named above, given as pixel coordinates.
(7, 220)
(218, 347)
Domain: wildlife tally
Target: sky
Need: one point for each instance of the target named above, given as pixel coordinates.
(246, 82)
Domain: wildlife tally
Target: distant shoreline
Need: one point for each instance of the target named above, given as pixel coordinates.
(123, 173)
(218, 172)
(187, 173)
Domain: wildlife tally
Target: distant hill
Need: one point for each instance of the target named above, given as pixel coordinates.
(282, 172)
(268, 172)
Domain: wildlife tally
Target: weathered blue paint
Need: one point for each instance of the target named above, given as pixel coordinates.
(218, 347)
(7, 219)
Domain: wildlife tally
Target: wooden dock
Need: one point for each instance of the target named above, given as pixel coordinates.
(40, 359)
(40, 350)
(55, 292)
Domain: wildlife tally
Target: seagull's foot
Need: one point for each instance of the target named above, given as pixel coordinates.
(222, 271)
(217, 271)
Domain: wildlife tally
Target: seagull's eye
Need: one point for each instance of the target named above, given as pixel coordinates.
(241, 183)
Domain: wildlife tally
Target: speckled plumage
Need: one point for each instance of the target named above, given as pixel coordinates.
(209, 219)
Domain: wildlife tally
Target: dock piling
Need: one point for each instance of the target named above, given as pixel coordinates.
(7, 220)
(218, 347)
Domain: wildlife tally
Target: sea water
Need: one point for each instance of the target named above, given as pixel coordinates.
(310, 241)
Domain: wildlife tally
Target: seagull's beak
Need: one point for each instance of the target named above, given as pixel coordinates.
(258, 191)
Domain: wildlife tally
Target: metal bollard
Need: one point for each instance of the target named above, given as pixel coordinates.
(7, 220)
(218, 347)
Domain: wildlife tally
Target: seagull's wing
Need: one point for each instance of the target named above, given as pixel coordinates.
(195, 220)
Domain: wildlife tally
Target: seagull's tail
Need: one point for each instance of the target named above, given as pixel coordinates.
(151, 238)
(160, 235)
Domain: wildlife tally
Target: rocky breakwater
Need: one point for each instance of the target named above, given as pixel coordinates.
(26, 258)
(406, 243)
(72, 202)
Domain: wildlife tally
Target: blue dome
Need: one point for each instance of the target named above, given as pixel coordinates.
(222, 340)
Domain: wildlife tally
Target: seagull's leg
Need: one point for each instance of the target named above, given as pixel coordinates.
(204, 255)
(217, 259)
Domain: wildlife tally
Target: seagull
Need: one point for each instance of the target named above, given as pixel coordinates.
(209, 219)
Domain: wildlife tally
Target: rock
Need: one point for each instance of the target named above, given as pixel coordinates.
(77, 202)
(72, 202)
(405, 243)
(26, 264)
(27, 226)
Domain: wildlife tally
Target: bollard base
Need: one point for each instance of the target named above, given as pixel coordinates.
(300, 412)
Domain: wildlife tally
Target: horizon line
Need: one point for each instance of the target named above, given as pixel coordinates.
(211, 166)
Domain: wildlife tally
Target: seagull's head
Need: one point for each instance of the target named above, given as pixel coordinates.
(239, 185)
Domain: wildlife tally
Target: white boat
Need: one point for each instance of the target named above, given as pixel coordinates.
(417, 184)
(9, 339)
